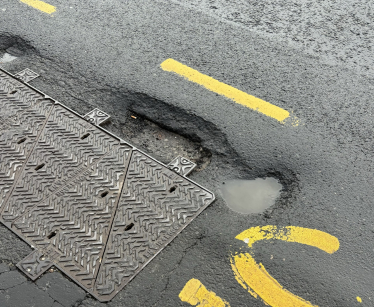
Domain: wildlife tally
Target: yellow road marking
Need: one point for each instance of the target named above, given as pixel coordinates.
(254, 277)
(40, 5)
(312, 237)
(195, 293)
(359, 299)
(228, 91)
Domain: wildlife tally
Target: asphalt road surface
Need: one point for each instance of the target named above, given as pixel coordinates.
(311, 58)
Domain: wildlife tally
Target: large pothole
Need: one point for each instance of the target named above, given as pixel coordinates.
(160, 129)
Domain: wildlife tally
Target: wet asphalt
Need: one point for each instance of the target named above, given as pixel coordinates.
(313, 59)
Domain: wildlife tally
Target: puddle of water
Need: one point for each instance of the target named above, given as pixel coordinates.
(7, 58)
(251, 196)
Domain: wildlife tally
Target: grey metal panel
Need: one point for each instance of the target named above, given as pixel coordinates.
(85, 200)
(79, 216)
(58, 155)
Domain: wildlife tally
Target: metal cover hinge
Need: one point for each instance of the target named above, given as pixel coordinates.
(26, 75)
(35, 264)
(181, 165)
(97, 117)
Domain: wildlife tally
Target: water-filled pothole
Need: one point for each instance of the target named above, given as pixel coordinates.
(6, 57)
(250, 196)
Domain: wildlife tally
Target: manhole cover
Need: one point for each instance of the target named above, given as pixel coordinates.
(88, 202)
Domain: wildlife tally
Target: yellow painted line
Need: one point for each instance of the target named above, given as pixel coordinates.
(228, 91)
(40, 5)
(359, 299)
(254, 277)
(195, 293)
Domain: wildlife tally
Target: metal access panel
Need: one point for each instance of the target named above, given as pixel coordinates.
(87, 202)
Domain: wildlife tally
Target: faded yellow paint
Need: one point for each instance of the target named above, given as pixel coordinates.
(254, 277)
(359, 299)
(40, 5)
(241, 281)
(195, 293)
(312, 237)
(228, 91)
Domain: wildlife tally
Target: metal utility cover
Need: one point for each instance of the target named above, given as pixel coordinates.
(88, 202)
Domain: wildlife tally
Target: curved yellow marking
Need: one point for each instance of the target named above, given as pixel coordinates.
(260, 282)
(195, 293)
(312, 237)
(254, 277)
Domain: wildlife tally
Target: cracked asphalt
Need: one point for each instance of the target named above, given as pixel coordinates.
(311, 58)
(51, 290)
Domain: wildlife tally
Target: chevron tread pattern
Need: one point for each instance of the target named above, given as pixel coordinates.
(22, 118)
(80, 216)
(62, 152)
(154, 211)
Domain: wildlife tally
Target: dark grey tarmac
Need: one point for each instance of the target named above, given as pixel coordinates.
(311, 58)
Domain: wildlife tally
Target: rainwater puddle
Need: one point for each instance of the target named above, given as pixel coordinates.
(251, 196)
(7, 58)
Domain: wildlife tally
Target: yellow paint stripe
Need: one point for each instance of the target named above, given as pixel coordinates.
(40, 5)
(312, 237)
(226, 90)
(260, 282)
(195, 293)
(254, 277)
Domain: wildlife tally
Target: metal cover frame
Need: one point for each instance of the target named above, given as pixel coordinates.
(53, 255)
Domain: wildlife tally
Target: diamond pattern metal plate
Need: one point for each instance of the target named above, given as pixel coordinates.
(87, 202)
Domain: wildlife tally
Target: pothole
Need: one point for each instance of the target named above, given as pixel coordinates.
(163, 144)
(14, 45)
(250, 196)
(159, 128)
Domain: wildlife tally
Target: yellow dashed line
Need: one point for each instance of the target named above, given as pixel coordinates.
(228, 91)
(40, 5)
